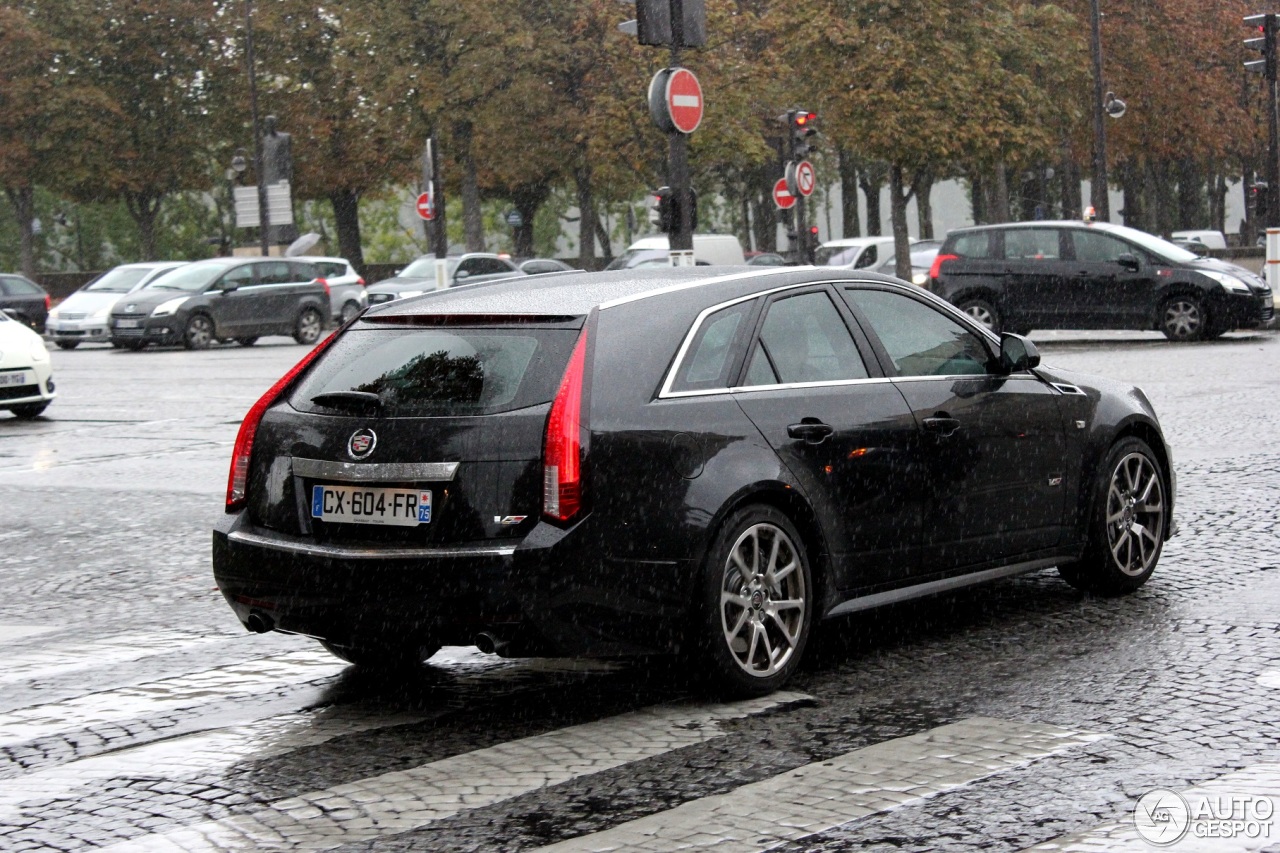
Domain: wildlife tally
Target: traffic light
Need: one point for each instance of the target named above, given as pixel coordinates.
(1258, 199)
(1264, 42)
(652, 25)
(668, 220)
(803, 124)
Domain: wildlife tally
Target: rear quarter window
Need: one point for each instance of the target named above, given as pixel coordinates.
(440, 372)
(976, 245)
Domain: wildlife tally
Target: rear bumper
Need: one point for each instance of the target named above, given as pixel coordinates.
(548, 594)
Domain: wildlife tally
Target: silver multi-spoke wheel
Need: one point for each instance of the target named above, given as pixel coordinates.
(310, 325)
(199, 332)
(763, 600)
(982, 311)
(1182, 319)
(1135, 515)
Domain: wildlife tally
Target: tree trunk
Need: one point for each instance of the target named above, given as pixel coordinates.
(764, 223)
(850, 221)
(472, 216)
(921, 188)
(1131, 187)
(978, 197)
(606, 245)
(23, 200)
(346, 216)
(871, 179)
(898, 199)
(144, 207)
(1000, 194)
(586, 214)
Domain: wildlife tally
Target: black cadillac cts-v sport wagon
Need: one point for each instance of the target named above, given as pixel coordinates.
(696, 461)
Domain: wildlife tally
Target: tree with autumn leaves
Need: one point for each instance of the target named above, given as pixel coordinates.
(527, 99)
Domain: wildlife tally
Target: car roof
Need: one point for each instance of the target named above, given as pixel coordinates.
(576, 293)
(847, 242)
(332, 259)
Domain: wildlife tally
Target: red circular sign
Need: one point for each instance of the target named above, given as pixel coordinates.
(684, 100)
(425, 208)
(806, 178)
(782, 196)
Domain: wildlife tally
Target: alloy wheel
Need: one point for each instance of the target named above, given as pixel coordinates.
(981, 313)
(1135, 514)
(309, 327)
(199, 333)
(1182, 319)
(763, 600)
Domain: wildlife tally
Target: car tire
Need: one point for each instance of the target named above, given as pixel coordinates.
(67, 344)
(349, 311)
(381, 654)
(743, 643)
(199, 333)
(981, 311)
(308, 327)
(1127, 523)
(1182, 318)
(247, 342)
(29, 410)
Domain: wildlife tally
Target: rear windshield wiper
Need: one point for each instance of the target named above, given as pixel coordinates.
(355, 400)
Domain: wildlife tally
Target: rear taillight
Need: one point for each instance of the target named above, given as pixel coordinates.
(48, 302)
(360, 282)
(238, 479)
(937, 264)
(562, 448)
(325, 284)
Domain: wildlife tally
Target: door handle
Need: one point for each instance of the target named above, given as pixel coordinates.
(944, 426)
(811, 430)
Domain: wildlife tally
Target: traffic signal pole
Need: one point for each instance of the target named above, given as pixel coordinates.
(1267, 25)
(678, 177)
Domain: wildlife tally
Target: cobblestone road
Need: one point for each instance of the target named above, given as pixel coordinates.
(135, 714)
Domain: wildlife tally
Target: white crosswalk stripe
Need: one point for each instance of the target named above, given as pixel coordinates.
(826, 794)
(60, 659)
(405, 800)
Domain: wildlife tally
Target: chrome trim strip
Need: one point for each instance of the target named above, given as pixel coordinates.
(701, 282)
(785, 386)
(893, 596)
(357, 472)
(952, 377)
(314, 550)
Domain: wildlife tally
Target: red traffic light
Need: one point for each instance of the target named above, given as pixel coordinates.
(813, 229)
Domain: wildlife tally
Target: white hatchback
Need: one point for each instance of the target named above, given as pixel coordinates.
(26, 372)
(347, 296)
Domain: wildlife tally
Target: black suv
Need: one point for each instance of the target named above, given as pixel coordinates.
(1076, 275)
(225, 299)
(24, 300)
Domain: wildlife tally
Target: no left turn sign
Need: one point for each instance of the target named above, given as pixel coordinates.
(806, 178)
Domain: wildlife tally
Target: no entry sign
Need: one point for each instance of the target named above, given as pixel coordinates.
(684, 100)
(424, 207)
(782, 196)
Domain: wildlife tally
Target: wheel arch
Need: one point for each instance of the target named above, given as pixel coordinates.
(1149, 433)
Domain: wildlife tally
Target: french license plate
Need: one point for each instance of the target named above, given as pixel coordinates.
(360, 505)
(128, 324)
(19, 378)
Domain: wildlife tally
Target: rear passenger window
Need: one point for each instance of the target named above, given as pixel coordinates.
(709, 360)
(275, 272)
(920, 340)
(976, 245)
(804, 339)
(1033, 243)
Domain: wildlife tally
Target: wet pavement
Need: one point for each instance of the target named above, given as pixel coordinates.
(136, 714)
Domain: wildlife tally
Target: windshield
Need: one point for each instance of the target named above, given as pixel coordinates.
(1153, 244)
(191, 278)
(118, 280)
(426, 268)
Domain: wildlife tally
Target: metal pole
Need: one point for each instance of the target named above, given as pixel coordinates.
(1098, 190)
(1273, 127)
(264, 218)
(681, 239)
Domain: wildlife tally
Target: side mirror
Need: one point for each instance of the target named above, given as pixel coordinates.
(1017, 353)
(228, 287)
(1129, 261)
(461, 274)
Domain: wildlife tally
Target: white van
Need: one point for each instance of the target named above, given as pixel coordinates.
(1208, 239)
(708, 249)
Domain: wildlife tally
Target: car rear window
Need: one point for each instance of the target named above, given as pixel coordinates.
(441, 371)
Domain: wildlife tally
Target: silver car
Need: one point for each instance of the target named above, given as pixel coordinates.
(347, 296)
(83, 316)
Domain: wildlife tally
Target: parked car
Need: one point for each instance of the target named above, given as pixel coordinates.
(25, 300)
(855, 253)
(84, 315)
(1077, 275)
(1207, 238)
(672, 461)
(26, 372)
(347, 296)
(538, 266)
(708, 250)
(237, 299)
(922, 254)
(766, 259)
(420, 275)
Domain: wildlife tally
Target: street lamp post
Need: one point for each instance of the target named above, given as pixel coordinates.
(1098, 189)
(264, 219)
